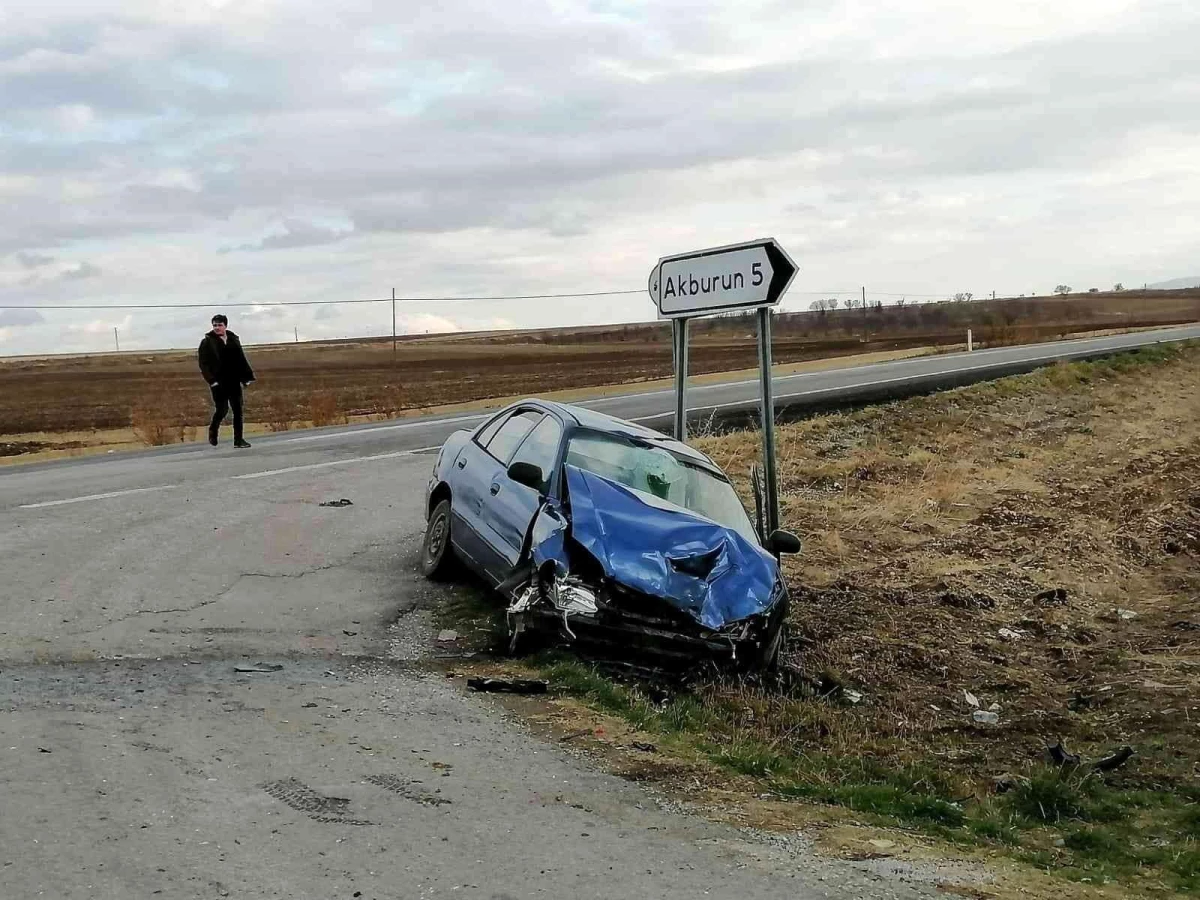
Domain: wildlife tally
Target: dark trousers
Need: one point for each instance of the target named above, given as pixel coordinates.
(226, 396)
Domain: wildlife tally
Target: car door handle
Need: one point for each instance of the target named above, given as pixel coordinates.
(462, 463)
(495, 488)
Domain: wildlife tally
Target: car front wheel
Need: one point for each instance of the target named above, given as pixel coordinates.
(437, 556)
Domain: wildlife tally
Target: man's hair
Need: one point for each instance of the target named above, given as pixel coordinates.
(218, 318)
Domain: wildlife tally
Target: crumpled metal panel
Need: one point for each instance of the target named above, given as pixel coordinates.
(711, 573)
(548, 538)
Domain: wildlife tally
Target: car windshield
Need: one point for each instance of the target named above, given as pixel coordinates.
(655, 471)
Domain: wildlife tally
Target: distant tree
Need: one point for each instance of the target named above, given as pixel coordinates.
(1093, 290)
(852, 303)
(962, 297)
(1063, 289)
(817, 306)
(832, 302)
(1118, 287)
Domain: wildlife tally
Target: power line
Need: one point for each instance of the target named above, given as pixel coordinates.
(318, 303)
(564, 296)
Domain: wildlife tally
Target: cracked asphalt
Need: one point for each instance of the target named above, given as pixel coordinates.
(137, 763)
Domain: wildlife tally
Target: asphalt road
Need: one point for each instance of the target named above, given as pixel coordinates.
(137, 761)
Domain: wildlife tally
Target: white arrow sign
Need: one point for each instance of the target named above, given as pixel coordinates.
(740, 276)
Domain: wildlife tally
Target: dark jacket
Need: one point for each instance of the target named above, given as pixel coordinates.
(224, 361)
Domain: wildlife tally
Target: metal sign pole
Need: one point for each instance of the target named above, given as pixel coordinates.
(680, 334)
(768, 420)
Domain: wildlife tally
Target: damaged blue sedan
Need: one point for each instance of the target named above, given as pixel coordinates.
(607, 532)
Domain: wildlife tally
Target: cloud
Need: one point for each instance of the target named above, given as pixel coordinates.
(296, 233)
(33, 260)
(19, 318)
(100, 326)
(80, 271)
(540, 146)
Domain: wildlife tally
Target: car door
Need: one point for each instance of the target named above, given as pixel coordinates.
(469, 475)
(485, 469)
(509, 508)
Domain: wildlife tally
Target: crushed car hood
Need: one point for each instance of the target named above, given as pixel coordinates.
(711, 573)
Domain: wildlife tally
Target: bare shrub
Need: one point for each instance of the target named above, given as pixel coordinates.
(323, 409)
(280, 415)
(159, 419)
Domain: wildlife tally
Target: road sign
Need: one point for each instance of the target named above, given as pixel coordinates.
(706, 282)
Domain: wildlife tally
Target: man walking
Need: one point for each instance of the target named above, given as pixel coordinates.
(224, 366)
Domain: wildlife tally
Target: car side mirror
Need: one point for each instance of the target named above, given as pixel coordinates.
(527, 474)
(783, 542)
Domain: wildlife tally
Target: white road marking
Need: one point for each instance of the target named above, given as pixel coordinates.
(399, 427)
(161, 487)
(336, 462)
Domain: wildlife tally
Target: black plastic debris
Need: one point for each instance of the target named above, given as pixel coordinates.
(1061, 756)
(338, 503)
(644, 747)
(508, 685)
(260, 669)
(1053, 595)
(1114, 761)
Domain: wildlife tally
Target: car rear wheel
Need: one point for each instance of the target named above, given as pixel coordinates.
(437, 556)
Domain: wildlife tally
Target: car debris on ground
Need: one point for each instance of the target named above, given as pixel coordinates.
(1061, 756)
(338, 503)
(1114, 761)
(508, 685)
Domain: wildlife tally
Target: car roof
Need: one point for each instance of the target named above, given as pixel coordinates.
(598, 421)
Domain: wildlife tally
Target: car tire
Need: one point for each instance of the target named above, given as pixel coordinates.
(437, 555)
(768, 657)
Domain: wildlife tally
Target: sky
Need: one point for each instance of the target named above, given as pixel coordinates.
(216, 153)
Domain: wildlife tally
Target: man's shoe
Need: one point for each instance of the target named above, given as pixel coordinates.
(241, 445)
(212, 438)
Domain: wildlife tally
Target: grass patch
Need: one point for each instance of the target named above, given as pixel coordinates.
(1070, 822)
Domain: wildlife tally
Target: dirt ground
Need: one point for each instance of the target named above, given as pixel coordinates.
(1034, 541)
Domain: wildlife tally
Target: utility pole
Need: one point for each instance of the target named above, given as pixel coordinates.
(866, 330)
(296, 329)
(116, 339)
(393, 324)
(993, 295)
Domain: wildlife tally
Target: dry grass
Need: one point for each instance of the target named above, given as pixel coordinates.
(160, 418)
(323, 409)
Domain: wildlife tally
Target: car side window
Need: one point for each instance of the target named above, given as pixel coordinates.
(490, 430)
(505, 441)
(541, 447)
